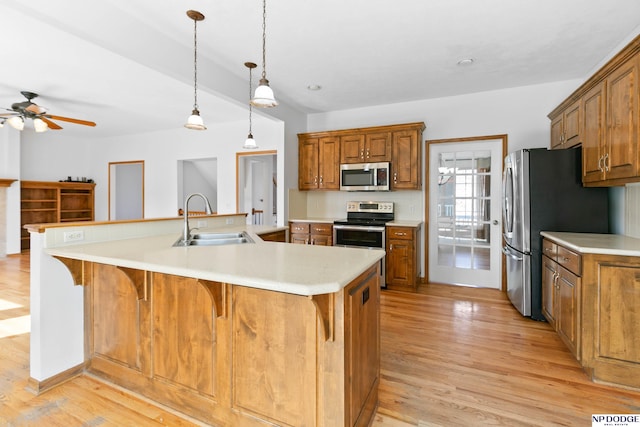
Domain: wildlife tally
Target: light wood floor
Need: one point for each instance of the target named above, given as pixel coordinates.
(451, 356)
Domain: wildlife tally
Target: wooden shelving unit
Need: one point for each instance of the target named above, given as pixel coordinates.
(43, 202)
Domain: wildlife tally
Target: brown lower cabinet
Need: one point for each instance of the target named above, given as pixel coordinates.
(311, 233)
(561, 269)
(403, 257)
(274, 236)
(593, 302)
(233, 355)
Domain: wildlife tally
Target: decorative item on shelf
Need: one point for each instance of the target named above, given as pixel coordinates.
(42, 121)
(194, 121)
(84, 179)
(250, 143)
(264, 94)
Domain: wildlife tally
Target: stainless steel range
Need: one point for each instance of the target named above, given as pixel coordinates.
(364, 227)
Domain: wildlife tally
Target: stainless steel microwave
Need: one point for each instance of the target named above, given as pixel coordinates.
(365, 176)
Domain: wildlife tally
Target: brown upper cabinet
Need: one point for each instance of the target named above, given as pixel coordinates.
(321, 153)
(565, 128)
(603, 116)
(318, 163)
(366, 148)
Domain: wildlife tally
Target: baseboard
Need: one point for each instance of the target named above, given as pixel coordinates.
(37, 387)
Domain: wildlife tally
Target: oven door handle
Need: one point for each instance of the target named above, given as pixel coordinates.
(358, 227)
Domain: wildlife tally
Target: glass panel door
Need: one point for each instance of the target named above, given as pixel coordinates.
(464, 217)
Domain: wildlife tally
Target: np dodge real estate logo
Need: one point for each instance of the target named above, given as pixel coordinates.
(615, 420)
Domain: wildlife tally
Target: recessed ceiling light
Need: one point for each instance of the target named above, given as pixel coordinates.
(314, 87)
(465, 62)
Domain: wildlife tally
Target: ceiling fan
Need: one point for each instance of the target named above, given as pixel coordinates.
(42, 121)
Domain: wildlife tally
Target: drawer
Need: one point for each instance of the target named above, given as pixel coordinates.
(403, 233)
(298, 227)
(549, 249)
(321, 228)
(569, 260)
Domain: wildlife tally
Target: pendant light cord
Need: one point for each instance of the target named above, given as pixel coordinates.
(195, 64)
(264, 38)
(250, 107)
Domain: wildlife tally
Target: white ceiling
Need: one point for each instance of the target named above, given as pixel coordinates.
(128, 65)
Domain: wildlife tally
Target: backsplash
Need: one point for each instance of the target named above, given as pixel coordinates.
(408, 205)
(632, 210)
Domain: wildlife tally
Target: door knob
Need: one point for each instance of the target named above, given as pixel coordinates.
(494, 222)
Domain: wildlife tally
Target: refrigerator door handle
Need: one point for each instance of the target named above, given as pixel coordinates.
(510, 254)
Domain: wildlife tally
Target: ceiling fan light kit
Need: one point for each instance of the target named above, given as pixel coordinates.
(40, 125)
(29, 110)
(16, 122)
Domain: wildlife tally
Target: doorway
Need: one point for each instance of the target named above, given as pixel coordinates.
(464, 211)
(257, 185)
(126, 190)
(198, 176)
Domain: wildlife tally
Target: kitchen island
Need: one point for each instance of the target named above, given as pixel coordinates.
(260, 333)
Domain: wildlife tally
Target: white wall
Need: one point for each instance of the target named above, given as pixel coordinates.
(54, 157)
(10, 169)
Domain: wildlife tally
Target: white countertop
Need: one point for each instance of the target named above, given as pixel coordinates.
(589, 243)
(318, 220)
(282, 267)
(403, 223)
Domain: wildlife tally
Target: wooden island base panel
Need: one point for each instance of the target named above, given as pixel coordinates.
(233, 355)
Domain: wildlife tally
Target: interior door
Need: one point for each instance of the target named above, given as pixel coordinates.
(465, 180)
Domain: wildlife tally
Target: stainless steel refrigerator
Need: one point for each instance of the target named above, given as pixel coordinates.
(542, 191)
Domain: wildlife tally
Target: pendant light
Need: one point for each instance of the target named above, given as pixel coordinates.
(264, 95)
(250, 143)
(195, 121)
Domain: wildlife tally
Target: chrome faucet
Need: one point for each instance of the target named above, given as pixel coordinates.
(186, 233)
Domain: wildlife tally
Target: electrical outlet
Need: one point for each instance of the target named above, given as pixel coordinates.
(229, 220)
(202, 224)
(73, 236)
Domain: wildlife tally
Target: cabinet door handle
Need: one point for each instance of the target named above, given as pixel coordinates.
(606, 162)
(395, 177)
(362, 153)
(600, 168)
(390, 247)
(367, 154)
(320, 179)
(365, 295)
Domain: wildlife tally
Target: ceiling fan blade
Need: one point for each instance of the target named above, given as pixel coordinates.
(9, 114)
(68, 119)
(52, 125)
(36, 109)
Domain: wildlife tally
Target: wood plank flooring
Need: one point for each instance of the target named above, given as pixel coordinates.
(451, 356)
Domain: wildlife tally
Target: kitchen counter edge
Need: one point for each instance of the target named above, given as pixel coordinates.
(591, 243)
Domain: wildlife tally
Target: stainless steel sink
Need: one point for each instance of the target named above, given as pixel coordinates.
(215, 239)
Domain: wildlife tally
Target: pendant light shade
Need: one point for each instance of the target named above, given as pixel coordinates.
(264, 94)
(194, 121)
(250, 143)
